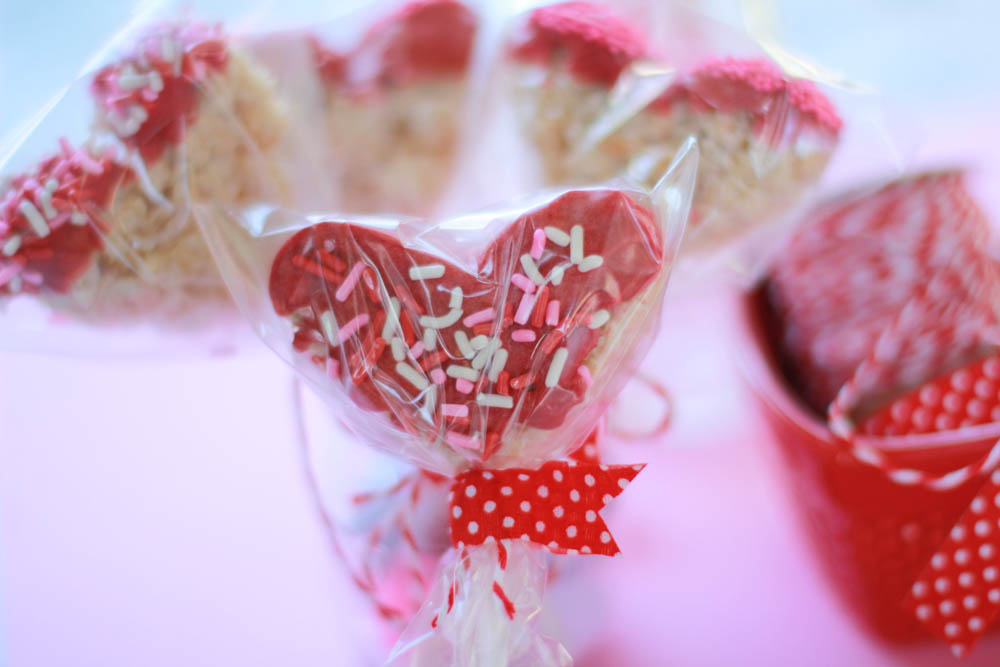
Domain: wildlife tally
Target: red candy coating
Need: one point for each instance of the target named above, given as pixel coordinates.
(151, 95)
(615, 229)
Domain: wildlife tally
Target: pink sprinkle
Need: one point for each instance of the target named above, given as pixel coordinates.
(8, 272)
(350, 282)
(464, 385)
(538, 244)
(333, 369)
(524, 308)
(523, 336)
(584, 374)
(352, 327)
(523, 282)
(552, 313)
(438, 376)
(455, 410)
(417, 349)
(484, 315)
(462, 441)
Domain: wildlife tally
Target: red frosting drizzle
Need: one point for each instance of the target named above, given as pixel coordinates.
(51, 221)
(317, 262)
(596, 43)
(149, 97)
(424, 39)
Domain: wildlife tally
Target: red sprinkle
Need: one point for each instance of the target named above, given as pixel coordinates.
(541, 303)
(317, 270)
(503, 383)
(508, 606)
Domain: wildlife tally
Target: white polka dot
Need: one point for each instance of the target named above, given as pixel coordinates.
(987, 551)
(585, 549)
(970, 602)
(952, 629)
(623, 483)
(553, 545)
(938, 561)
(983, 528)
(607, 498)
(557, 475)
(947, 607)
(994, 595)
(930, 395)
(574, 495)
(924, 612)
(489, 506)
(958, 533)
(558, 511)
(543, 491)
(487, 474)
(473, 528)
(460, 545)
(525, 506)
(990, 573)
(523, 477)
(996, 498)
(525, 537)
(508, 522)
(978, 505)
(962, 556)
(637, 467)
(604, 467)
(589, 480)
(506, 491)
(605, 537)
(573, 552)
(591, 516)
(470, 491)
(539, 526)
(571, 531)
(962, 380)
(966, 580)
(456, 511)
(941, 585)
(919, 588)
(976, 624)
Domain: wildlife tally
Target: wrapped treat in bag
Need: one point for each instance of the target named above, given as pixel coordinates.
(483, 348)
(596, 99)
(102, 230)
(394, 106)
(882, 310)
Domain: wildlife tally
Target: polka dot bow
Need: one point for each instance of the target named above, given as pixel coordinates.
(556, 506)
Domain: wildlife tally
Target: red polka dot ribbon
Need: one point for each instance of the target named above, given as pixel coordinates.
(556, 506)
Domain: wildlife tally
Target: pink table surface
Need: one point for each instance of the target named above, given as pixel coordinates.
(154, 513)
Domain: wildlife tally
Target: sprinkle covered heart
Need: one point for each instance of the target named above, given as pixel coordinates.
(460, 355)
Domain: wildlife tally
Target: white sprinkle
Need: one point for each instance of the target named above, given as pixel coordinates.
(556, 367)
(391, 318)
(426, 272)
(556, 276)
(495, 400)
(463, 372)
(463, 345)
(155, 81)
(12, 244)
(590, 262)
(442, 322)
(398, 349)
(531, 270)
(79, 218)
(557, 236)
(499, 361)
(129, 81)
(44, 198)
(430, 339)
(576, 244)
(599, 319)
(430, 399)
(479, 342)
(52, 185)
(412, 375)
(34, 218)
(328, 323)
(484, 355)
(456, 298)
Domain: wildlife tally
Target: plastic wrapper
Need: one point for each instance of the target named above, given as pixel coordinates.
(598, 96)
(480, 347)
(875, 358)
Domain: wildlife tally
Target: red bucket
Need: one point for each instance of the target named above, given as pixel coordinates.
(874, 536)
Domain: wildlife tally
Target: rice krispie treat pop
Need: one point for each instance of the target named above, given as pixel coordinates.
(763, 137)
(395, 106)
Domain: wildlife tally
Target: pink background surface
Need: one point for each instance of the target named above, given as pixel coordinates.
(155, 513)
